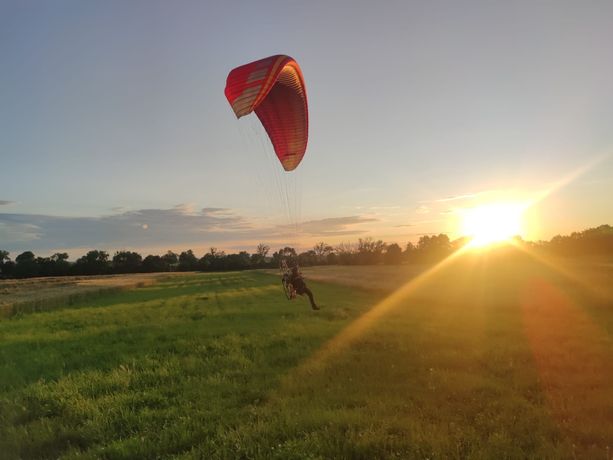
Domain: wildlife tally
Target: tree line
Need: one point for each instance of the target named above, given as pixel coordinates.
(367, 251)
(98, 262)
(593, 242)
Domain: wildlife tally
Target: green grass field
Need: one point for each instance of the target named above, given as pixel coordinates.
(479, 358)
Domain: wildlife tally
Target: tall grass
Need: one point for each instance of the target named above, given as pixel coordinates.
(42, 294)
(58, 301)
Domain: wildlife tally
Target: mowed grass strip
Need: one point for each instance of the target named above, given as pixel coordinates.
(155, 371)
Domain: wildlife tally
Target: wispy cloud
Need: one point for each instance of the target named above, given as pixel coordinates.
(211, 211)
(331, 226)
(6, 202)
(383, 208)
(16, 231)
(458, 197)
(418, 223)
(462, 196)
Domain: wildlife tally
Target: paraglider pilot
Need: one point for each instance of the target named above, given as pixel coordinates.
(297, 282)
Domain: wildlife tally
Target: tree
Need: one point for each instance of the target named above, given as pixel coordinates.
(322, 250)
(7, 269)
(332, 259)
(5, 263)
(45, 266)
(433, 248)
(346, 253)
(93, 263)
(288, 254)
(127, 262)
(61, 266)
(25, 265)
(240, 261)
(259, 258)
(171, 260)
(307, 258)
(393, 255)
(262, 250)
(60, 257)
(206, 262)
(187, 261)
(216, 259)
(410, 252)
(152, 264)
(370, 251)
(56, 265)
(25, 257)
(592, 241)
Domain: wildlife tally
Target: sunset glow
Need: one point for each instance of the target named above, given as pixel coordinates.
(492, 223)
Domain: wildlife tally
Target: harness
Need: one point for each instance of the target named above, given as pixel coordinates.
(286, 276)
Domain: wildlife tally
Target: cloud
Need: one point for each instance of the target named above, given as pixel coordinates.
(20, 232)
(377, 208)
(178, 227)
(458, 197)
(423, 209)
(6, 202)
(216, 211)
(490, 194)
(461, 196)
(331, 226)
(130, 229)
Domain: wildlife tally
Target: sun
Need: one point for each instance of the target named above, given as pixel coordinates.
(492, 223)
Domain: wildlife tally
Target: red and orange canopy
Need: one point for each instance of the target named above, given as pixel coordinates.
(274, 88)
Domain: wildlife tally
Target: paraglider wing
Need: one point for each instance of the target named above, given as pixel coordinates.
(274, 89)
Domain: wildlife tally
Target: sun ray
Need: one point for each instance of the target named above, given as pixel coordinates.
(570, 177)
(355, 329)
(571, 356)
(557, 267)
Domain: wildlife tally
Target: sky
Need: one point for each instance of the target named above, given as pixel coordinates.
(115, 132)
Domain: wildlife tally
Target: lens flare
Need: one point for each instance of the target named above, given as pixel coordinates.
(492, 223)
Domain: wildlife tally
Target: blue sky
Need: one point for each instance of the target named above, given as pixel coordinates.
(115, 132)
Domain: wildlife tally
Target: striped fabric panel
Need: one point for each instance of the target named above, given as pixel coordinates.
(274, 88)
